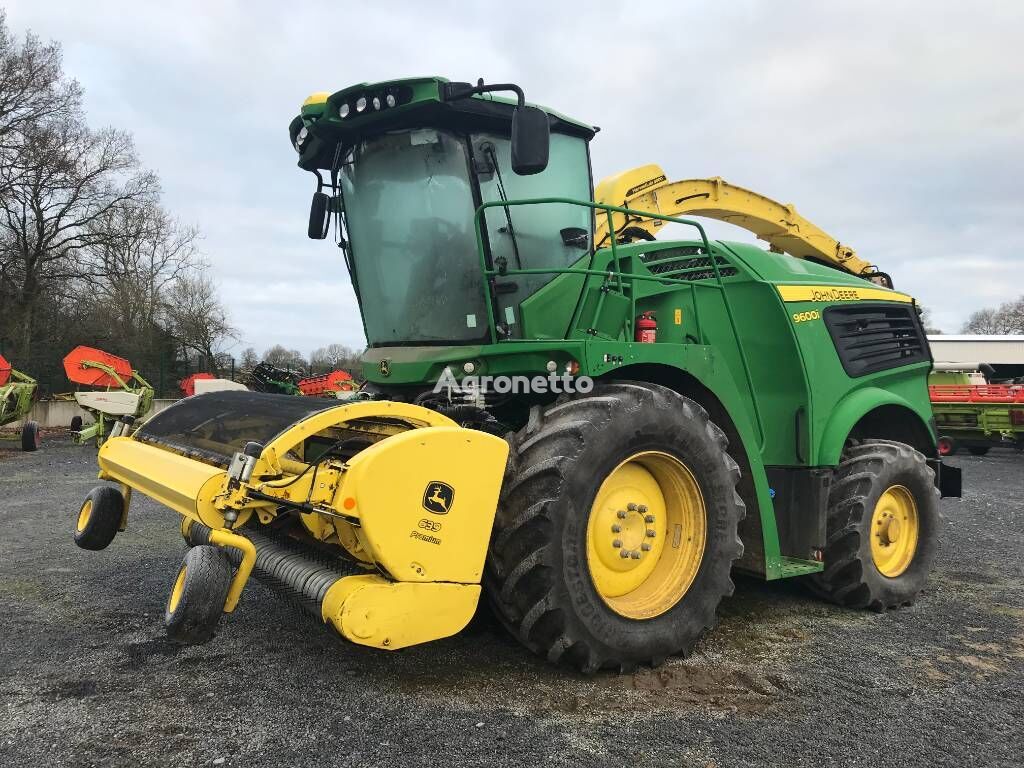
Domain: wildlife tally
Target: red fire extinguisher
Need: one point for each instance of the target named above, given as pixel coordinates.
(646, 328)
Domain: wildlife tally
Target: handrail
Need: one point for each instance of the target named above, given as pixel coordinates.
(609, 210)
(617, 273)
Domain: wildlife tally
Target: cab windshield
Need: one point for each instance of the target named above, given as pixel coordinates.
(409, 204)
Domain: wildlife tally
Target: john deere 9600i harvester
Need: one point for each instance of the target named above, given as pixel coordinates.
(693, 406)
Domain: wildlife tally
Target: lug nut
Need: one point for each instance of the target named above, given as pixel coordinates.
(631, 507)
(621, 515)
(617, 543)
(616, 528)
(648, 518)
(624, 554)
(651, 534)
(645, 547)
(642, 509)
(635, 555)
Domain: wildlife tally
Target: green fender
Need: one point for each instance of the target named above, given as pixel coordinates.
(848, 412)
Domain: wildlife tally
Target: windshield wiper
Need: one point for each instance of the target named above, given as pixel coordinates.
(488, 149)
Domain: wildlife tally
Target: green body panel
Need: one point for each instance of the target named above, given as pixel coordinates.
(761, 366)
(723, 326)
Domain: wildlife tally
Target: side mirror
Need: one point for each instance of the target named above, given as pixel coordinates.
(531, 138)
(319, 216)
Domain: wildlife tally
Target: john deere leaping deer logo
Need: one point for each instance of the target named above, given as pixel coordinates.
(438, 497)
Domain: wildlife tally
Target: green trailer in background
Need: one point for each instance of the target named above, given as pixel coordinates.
(973, 414)
(17, 393)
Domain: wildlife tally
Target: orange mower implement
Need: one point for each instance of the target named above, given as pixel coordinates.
(327, 385)
(188, 384)
(118, 392)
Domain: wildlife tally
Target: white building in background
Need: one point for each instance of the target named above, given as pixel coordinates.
(993, 350)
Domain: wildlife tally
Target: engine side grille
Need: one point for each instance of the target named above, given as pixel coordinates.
(876, 337)
(686, 263)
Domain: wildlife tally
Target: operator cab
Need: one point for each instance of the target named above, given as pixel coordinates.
(406, 165)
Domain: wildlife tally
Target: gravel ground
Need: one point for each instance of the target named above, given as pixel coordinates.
(87, 677)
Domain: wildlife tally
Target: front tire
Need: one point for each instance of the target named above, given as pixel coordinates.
(884, 527)
(617, 528)
(197, 597)
(99, 518)
(31, 437)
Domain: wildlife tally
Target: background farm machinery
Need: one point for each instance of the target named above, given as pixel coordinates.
(17, 393)
(269, 378)
(116, 391)
(973, 414)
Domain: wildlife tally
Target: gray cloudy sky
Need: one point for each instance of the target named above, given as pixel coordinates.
(898, 127)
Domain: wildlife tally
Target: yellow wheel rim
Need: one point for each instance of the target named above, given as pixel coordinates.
(176, 590)
(84, 515)
(895, 528)
(646, 535)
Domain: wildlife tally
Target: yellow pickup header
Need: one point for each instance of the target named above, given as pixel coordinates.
(833, 294)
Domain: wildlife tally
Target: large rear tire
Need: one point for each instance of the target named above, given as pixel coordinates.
(884, 527)
(617, 528)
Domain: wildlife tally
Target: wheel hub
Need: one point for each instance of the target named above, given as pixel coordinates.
(627, 533)
(645, 535)
(894, 531)
(176, 591)
(84, 514)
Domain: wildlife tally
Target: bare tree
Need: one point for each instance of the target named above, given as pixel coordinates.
(145, 251)
(197, 320)
(335, 357)
(33, 89)
(926, 321)
(1013, 315)
(70, 180)
(249, 359)
(1008, 318)
(291, 359)
(87, 253)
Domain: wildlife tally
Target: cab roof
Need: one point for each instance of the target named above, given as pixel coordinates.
(369, 108)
